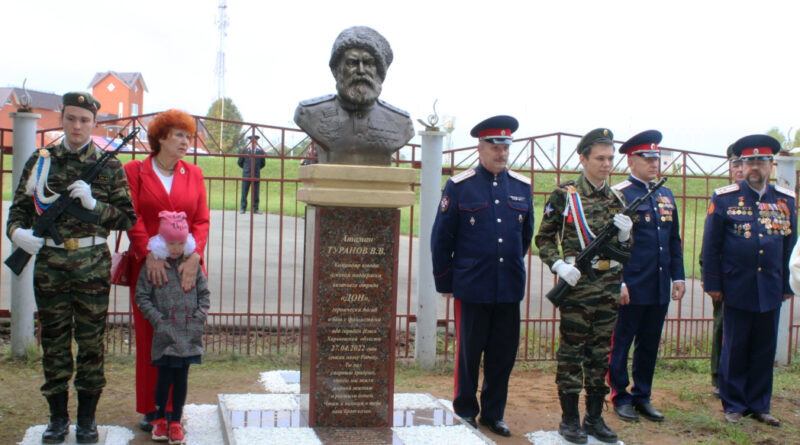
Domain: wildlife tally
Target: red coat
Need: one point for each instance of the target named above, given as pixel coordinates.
(188, 194)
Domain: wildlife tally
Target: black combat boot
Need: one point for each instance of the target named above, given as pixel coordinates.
(58, 427)
(570, 426)
(593, 421)
(86, 430)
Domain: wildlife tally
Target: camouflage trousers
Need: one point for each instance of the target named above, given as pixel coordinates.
(588, 317)
(71, 289)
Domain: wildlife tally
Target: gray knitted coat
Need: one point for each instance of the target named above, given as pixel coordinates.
(177, 317)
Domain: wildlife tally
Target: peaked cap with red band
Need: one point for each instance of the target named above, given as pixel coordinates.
(644, 144)
(756, 145)
(496, 130)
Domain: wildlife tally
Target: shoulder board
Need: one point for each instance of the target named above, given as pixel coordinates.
(393, 108)
(317, 100)
(519, 177)
(622, 185)
(727, 189)
(463, 175)
(784, 190)
(566, 184)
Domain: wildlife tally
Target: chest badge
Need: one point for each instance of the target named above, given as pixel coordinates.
(520, 218)
(647, 217)
(472, 220)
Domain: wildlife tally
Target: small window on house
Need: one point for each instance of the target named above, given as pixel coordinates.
(136, 88)
(121, 109)
(110, 86)
(134, 109)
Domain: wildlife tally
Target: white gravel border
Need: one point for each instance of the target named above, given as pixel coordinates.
(275, 384)
(553, 438)
(275, 436)
(438, 435)
(115, 435)
(260, 402)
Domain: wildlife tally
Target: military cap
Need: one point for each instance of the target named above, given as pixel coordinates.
(256, 137)
(596, 136)
(644, 144)
(731, 156)
(756, 146)
(496, 129)
(365, 38)
(83, 100)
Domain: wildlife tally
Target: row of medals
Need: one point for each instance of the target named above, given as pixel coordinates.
(771, 216)
(664, 208)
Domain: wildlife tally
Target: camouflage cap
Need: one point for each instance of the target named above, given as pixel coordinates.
(598, 135)
(83, 100)
(366, 38)
(731, 156)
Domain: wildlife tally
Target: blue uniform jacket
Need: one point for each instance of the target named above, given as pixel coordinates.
(482, 231)
(657, 256)
(747, 244)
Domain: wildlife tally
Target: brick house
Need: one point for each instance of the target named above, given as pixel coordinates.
(121, 94)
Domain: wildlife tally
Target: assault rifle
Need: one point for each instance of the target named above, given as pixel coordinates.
(601, 245)
(46, 223)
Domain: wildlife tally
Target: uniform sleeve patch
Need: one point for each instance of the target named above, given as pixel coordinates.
(711, 208)
(519, 177)
(445, 203)
(463, 175)
(727, 189)
(622, 185)
(785, 191)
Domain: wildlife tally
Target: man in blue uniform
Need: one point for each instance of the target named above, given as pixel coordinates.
(654, 273)
(481, 234)
(750, 231)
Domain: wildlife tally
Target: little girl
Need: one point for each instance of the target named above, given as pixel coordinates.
(178, 318)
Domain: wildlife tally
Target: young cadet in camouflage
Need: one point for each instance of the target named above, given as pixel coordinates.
(590, 308)
(71, 281)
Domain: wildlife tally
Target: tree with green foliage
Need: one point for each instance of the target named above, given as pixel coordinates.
(776, 133)
(223, 136)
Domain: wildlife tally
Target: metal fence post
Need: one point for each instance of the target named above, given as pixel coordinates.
(785, 177)
(22, 301)
(430, 191)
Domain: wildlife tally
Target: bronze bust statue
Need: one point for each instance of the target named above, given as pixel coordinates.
(354, 126)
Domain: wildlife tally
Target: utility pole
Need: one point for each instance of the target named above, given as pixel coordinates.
(222, 26)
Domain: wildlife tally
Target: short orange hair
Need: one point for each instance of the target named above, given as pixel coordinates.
(160, 127)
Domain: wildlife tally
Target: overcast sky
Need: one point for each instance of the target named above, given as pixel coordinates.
(704, 73)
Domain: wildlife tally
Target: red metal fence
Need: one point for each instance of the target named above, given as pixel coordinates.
(255, 261)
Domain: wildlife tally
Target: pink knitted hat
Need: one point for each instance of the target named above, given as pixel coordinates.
(172, 226)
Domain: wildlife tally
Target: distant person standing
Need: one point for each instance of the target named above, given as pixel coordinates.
(653, 275)
(251, 163)
(575, 211)
(750, 231)
(737, 175)
(480, 237)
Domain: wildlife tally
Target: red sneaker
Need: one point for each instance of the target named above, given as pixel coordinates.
(176, 433)
(160, 430)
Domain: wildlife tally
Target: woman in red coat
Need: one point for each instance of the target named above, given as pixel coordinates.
(162, 181)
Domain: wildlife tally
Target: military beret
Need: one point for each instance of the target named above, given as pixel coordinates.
(644, 144)
(366, 38)
(83, 100)
(756, 146)
(496, 129)
(598, 135)
(731, 156)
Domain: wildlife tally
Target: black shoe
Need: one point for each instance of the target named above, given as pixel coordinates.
(146, 423)
(496, 426)
(58, 427)
(648, 412)
(570, 426)
(470, 421)
(767, 418)
(86, 428)
(243, 211)
(593, 422)
(733, 417)
(626, 413)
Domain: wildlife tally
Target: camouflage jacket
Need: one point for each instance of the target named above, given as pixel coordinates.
(110, 189)
(556, 228)
(178, 317)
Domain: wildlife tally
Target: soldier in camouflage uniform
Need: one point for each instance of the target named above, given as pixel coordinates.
(71, 280)
(590, 308)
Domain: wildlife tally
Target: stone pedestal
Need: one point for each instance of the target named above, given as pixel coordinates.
(350, 291)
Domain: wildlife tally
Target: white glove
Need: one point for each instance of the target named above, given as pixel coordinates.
(624, 224)
(27, 241)
(81, 190)
(566, 272)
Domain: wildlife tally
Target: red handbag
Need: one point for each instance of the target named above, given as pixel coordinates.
(120, 266)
